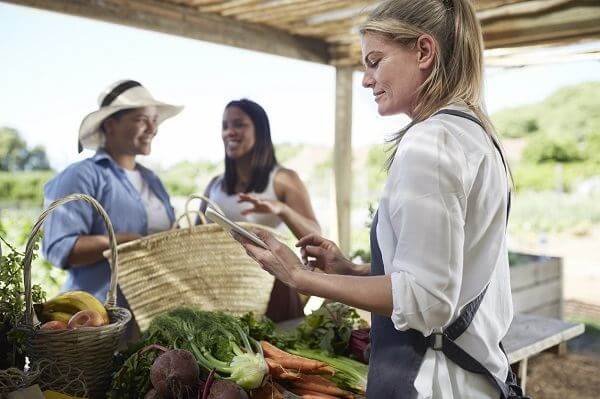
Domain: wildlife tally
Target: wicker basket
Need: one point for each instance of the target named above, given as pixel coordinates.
(197, 265)
(89, 349)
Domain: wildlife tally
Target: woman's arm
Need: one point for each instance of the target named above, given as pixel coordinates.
(293, 205)
(373, 294)
(88, 248)
(297, 212)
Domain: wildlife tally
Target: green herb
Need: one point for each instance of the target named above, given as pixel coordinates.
(261, 328)
(132, 380)
(12, 304)
(329, 328)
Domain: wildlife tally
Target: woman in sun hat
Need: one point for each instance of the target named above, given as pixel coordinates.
(136, 201)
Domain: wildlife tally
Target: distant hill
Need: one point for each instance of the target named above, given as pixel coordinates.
(572, 111)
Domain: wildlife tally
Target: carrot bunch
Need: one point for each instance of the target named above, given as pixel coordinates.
(301, 375)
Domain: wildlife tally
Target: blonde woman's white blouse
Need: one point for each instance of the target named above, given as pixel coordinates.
(442, 236)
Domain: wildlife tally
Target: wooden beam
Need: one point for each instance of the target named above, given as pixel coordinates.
(569, 23)
(342, 154)
(188, 22)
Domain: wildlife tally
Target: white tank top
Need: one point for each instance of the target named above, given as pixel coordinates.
(233, 209)
(158, 219)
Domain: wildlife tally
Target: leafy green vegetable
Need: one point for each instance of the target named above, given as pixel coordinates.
(329, 328)
(12, 305)
(217, 340)
(132, 380)
(349, 374)
(261, 328)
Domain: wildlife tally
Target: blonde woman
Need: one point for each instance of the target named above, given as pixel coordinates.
(438, 285)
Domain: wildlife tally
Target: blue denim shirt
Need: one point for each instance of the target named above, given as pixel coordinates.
(102, 178)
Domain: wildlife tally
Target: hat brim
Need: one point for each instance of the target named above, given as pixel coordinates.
(90, 132)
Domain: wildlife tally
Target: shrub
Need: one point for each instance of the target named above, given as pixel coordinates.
(542, 148)
(23, 186)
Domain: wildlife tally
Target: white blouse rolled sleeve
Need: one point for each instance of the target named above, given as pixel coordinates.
(426, 206)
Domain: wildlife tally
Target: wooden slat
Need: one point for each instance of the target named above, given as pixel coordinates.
(573, 22)
(529, 335)
(531, 274)
(292, 12)
(342, 155)
(537, 296)
(520, 9)
(180, 20)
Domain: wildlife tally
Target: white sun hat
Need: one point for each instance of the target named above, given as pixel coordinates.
(124, 94)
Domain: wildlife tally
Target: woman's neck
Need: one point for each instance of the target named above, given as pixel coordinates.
(126, 161)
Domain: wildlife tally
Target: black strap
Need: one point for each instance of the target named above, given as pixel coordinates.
(467, 315)
(444, 342)
(461, 114)
(118, 90)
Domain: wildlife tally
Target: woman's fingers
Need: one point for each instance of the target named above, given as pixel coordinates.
(315, 252)
(311, 239)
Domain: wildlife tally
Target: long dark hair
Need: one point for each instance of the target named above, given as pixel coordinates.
(263, 153)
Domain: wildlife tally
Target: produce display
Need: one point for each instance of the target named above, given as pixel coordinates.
(191, 353)
(188, 353)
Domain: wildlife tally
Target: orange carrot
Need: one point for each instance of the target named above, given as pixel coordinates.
(308, 394)
(317, 379)
(279, 372)
(321, 385)
(271, 350)
(324, 370)
(293, 362)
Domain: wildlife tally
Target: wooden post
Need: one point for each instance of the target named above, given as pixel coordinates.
(342, 154)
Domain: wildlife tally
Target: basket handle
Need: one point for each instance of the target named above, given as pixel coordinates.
(203, 198)
(111, 297)
(186, 215)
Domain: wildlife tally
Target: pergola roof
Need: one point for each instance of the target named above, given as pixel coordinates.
(325, 31)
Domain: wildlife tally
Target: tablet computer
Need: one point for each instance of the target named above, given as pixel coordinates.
(229, 225)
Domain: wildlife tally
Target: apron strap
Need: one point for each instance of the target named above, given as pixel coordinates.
(465, 115)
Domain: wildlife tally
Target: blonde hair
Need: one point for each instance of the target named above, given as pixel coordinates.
(457, 73)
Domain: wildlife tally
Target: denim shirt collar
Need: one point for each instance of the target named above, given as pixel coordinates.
(103, 157)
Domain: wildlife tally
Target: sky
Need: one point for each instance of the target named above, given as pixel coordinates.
(54, 66)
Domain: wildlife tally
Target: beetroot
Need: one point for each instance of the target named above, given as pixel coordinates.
(222, 389)
(175, 374)
(152, 394)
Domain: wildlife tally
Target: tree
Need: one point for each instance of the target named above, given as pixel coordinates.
(15, 156)
(13, 150)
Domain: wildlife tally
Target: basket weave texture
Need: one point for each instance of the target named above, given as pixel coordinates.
(200, 266)
(89, 349)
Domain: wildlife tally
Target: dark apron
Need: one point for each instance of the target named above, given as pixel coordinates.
(396, 356)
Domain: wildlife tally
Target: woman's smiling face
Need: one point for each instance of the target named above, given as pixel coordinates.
(238, 132)
(392, 72)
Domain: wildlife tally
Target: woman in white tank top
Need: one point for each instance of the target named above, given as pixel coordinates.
(254, 188)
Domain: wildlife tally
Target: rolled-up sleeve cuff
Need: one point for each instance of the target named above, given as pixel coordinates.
(58, 253)
(414, 307)
(398, 287)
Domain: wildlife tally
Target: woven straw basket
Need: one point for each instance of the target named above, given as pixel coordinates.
(198, 265)
(89, 349)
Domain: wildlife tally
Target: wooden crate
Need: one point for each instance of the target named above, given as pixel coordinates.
(537, 286)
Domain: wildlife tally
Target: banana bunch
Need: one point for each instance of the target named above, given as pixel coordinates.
(64, 306)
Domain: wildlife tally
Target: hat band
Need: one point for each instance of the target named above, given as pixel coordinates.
(117, 91)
